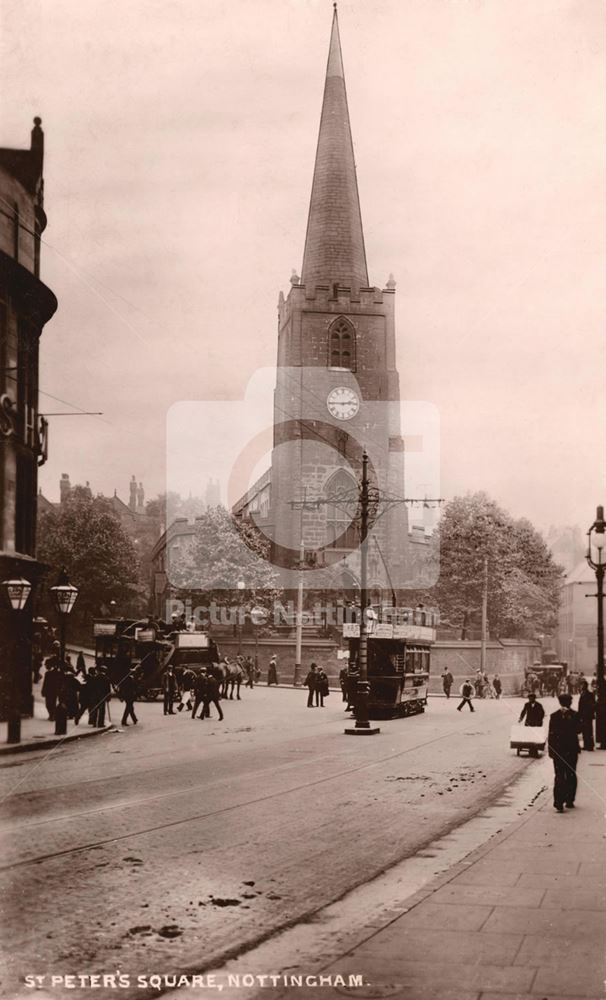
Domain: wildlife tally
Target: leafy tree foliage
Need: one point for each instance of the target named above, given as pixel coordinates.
(523, 578)
(225, 550)
(86, 537)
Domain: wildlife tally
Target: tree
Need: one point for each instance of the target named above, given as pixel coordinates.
(225, 551)
(523, 579)
(164, 508)
(86, 537)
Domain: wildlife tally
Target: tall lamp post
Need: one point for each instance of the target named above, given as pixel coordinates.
(596, 540)
(241, 586)
(258, 616)
(17, 592)
(64, 596)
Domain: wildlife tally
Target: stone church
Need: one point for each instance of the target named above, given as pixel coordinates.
(337, 389)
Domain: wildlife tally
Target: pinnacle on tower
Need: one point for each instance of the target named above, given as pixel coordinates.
(334, 244)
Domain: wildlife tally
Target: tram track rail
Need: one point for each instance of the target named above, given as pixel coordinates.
(171, 824)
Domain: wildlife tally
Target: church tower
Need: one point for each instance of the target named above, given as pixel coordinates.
(337, 389)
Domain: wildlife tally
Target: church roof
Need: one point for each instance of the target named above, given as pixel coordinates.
(334, 244)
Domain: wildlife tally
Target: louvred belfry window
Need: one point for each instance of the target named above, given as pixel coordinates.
(342, 345)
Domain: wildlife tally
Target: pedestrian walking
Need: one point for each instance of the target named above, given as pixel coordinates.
(198, 693)
(343, 682)
(497, 686)
(353, 675)
(311, 683)
(187, 685)
(51, 684)
(563, 742)
(466, 691)
(249, 670)
(87, 696)
(169, 689)
(322, 689)
(210, 696)
(81, 665)
(447, 681)
(272, 672)
(72, 694)
(128, 692)
(586, 710)
(36, 662)
(102, 694)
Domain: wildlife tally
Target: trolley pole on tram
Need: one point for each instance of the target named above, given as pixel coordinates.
(362, 726)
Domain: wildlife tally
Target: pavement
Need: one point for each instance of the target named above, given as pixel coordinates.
(38, 733)
(280, 824)
(522, 916)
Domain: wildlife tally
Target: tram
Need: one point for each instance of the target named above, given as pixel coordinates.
(398, 658)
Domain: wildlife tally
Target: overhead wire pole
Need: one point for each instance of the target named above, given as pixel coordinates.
(362, 726)
(484, 616)
(365, 499)
(299, 620)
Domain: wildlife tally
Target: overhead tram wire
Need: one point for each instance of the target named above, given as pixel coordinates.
(80, 273)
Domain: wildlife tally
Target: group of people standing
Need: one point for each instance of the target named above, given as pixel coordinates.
(316, 683)
(70, 691)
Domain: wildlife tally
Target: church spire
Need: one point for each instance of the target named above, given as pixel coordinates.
(334, 244)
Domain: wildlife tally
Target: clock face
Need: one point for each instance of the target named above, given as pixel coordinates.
(343, 403)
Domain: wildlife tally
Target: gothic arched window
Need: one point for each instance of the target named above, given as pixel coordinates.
(341, 526)
(342, 345)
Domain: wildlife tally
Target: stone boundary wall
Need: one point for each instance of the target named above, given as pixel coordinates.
(508, 658)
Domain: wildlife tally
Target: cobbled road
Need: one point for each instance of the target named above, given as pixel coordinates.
(175, 843)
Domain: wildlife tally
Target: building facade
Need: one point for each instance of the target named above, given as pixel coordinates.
(26, 305)
(577, 634)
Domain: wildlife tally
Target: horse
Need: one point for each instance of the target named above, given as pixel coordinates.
(232, 675)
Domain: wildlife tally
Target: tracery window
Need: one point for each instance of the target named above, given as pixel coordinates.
(342, 345)
(341, 527)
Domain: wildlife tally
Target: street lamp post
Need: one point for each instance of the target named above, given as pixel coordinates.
(363, 727)
(17, 592)
(241, 586)
(258, 616)
(64, 596)
(596, 540)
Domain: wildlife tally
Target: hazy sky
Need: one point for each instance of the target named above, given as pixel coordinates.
(180, 139)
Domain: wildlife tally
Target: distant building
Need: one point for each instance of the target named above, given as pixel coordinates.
(133, 515)
(168, 551)
(567, 545)
(26, 305)
(576, 640)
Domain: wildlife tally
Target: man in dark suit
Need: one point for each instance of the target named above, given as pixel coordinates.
(211, 697)
(563, 741)
(127, 689)
(169, 688)
(586, 710)
(534, 713)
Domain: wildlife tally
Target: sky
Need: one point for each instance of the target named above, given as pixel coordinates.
(180, 141)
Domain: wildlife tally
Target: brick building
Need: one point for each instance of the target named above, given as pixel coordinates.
(26, 305)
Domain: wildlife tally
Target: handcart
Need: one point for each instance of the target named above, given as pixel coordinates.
(529, 738)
